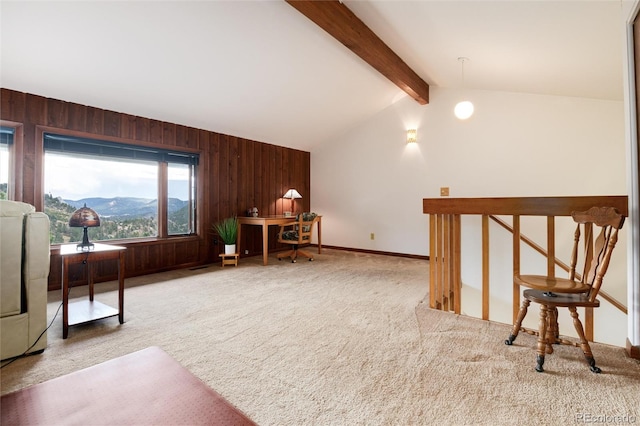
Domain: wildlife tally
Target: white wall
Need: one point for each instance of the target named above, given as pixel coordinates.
(370, 181)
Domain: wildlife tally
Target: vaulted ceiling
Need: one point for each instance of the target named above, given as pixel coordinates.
(262, 70)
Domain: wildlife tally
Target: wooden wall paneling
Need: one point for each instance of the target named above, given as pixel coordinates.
(250, 170)
(112, 122)
(143, 129)
(244, 169)
(77, 119)
(57, 113)
(168, 253)
(258, 179)
(272, 188)
(181, 135)
(186, 252)
(155, 131)
(12, 105)
(55, 271)
(128, 127)
(168, 134)
(281, 178)
(137, 259)
(155, 261)
(223, 178)
(234, 203)
(105, 270)
(306, 172)
(191, 138)
(213, 175)
(95, 121)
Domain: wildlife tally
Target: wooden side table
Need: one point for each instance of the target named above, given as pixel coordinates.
(89, 310)
(229, 259)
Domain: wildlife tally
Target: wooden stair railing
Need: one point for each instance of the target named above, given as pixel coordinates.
(445, 242)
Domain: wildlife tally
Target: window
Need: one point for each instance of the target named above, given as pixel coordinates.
(122, 184)
(6, 141)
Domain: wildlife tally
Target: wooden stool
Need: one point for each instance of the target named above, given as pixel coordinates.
(229, 259)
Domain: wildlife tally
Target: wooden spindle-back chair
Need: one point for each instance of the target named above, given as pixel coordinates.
(575, 291)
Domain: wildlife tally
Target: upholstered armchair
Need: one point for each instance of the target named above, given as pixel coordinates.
(24, 270)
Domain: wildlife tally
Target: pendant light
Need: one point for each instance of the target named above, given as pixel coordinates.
(464, 109)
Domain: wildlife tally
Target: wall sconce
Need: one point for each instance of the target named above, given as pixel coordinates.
(412, 136)
(85, 218)
(291, 194)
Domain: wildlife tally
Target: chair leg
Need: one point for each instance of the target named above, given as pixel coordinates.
(516, 327)
(290, 253)
(554, 330)
(542, 338)
(305, 254)
(584, 344)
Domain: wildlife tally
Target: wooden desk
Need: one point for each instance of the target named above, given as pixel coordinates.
(271, 220)
(89, 310)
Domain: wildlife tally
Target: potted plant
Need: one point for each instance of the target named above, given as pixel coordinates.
(227, 229)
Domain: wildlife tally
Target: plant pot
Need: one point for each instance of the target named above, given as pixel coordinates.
(229, 249)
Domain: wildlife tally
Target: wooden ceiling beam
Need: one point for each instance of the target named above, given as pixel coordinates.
(336, 19)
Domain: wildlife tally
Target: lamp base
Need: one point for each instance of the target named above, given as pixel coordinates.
(85, 245)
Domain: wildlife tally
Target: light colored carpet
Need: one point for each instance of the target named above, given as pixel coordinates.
(342, 340)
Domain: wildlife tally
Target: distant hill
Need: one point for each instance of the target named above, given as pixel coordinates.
(123, 207)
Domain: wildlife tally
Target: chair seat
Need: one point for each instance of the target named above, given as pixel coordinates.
(290, 235)
(554, 284)
(562, 300)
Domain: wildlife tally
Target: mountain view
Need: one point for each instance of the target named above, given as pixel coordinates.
(125, 207)
(120, 217)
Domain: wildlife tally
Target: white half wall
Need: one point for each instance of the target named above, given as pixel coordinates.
(369, 180)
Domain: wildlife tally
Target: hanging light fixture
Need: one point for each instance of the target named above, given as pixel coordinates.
(464, 109)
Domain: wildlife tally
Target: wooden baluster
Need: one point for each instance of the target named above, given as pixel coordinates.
(439, 257)
(433, 260)
(485, 267)
(457, 264)
(551, 246)
(446, 265)
(516, 265)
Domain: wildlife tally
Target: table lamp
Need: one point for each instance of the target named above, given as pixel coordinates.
(85, 218)
(291, 194)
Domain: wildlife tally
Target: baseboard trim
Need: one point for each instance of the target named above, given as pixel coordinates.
(383, 253)
(633, 351)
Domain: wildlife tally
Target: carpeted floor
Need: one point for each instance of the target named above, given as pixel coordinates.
(342, 340)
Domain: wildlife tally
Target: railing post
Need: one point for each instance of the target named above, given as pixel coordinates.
(433, 261)
(457, 264)
(485, 267)
(551, 246)
(516, 266)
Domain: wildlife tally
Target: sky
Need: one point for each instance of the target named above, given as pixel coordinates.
(4, 162)
(74, 178)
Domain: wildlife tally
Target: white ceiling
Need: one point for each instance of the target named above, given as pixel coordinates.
(263, 71)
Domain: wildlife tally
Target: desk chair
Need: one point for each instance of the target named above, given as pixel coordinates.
(551, 292)
(296, 233)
